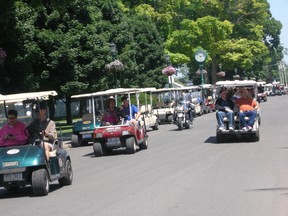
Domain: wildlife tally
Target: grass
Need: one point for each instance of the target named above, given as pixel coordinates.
(63, 128)
(66, 129)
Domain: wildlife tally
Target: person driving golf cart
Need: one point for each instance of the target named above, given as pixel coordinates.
(46, 127)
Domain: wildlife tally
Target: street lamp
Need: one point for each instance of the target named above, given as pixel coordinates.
(2, 56)
(167, 58)
(236, 76)
(200, 57)
(113, 50)
(221, 73)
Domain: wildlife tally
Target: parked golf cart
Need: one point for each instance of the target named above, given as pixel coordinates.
(123, 135)
(254, 134)
(150, 118)
(90, 108)
(26, 164)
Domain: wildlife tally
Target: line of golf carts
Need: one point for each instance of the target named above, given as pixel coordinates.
(89, 127)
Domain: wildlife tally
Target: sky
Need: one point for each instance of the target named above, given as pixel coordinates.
(279, 10)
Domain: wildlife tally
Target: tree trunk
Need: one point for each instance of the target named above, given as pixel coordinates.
(68, 110)
(214, 70)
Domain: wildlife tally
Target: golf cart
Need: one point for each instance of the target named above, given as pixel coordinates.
(208, 95)
(90, 106)
(261, 95)
(253, 135)
(150, 118)
(164, 107)
(124, 134)
(22, 165)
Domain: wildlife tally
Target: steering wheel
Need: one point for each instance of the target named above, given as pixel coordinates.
(33, 134)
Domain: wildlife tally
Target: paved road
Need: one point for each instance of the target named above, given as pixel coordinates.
(181, 173)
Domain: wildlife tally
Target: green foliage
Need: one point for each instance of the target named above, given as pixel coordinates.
(64, 45)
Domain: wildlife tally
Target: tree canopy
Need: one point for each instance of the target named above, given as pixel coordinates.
(64, 45)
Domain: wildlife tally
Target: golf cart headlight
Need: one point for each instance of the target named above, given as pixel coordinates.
(99, 135)
(125, 132)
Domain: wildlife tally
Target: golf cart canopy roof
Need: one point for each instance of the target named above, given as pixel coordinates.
(148, 89)
(237, 83)
(207, 86)
(108, 92)
(44, 95)
(175, 89)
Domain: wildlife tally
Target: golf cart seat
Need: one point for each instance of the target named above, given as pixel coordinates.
(55, 148)
(87, 117)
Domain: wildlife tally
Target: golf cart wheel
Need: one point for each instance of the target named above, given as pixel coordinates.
(130, 145)
(98, 150)
(144, 144)
(256, 137)
(156, 126)
(68, 176)
(170, 118)
(75, 141)
(40, 182)
(219, 138)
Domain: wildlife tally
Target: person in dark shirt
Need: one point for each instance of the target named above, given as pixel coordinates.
(225, 108)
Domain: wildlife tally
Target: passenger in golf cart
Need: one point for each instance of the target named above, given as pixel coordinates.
(248, 107)
(225, 109)
(13, 132)
(111, 113)
(125, 111)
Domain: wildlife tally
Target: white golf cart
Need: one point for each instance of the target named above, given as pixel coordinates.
(164, 107)
(150, 118)
(208, 95)
(253, 135)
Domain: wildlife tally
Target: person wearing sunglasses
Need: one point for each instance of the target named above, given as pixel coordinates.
(13, 132)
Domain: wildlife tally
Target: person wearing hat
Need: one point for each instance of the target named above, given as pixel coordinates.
(225, 108)
(13, 133)
(125, 111)
(46, 127)
(111, 113)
